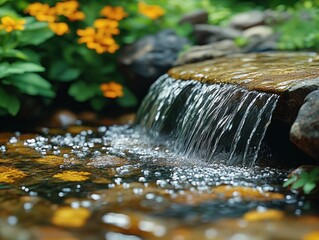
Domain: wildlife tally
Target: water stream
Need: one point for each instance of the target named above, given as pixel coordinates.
(185, 170)
(217, 122)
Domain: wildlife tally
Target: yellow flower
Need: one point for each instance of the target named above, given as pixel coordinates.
(86, 35)
(112, 90)
(100, 39)
(115, 13)
(9, 24)
(42, 12)
(150, 11)
(59, 28)
(106, 23)
(67, 8)
(76, 16)
(73, 176)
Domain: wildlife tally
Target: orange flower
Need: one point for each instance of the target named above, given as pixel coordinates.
(67, 8)
(112, 90)
(105, 23)
(9, 24)
(42, 12)
(76, 16)
(115, 13)
(86, 35)
(59, 28)
(150, 11)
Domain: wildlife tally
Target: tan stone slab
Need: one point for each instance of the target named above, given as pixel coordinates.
(267, 72)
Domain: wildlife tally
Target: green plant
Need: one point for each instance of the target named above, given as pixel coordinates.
(300, 31)
(69, 49)
(19, 65)
(307, 181)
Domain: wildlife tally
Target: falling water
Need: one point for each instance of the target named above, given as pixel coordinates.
(216, 122)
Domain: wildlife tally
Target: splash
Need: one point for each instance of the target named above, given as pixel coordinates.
(214, 122)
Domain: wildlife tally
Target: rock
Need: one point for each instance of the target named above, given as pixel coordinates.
(150, 57)
(304, 132)
(62, 119)
(262, 31)
(197, 17)
(205, 33)
(247, 19)
(290, 75)
(260, 38)
(209, 51)
(260, 44)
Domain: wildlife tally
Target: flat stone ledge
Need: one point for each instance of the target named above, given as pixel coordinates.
(290, 75)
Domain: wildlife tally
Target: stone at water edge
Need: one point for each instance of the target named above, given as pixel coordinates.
(209, 51)
(304, 132)
(148, 58)
(290, 75)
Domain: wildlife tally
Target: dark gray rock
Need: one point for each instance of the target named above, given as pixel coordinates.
(304, 132)
(147, 59)
(197, 17)
(205, 33)
(260, 44)
(209, 51)
(247, 19)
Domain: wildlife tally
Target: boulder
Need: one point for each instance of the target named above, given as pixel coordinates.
(197, 17)
(247, 19)
(209, 51)
(205, 33)
(148, 58)
(304, 132)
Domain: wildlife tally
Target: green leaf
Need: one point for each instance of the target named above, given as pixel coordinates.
(128, 100)
(308, 187)
(24, 67)
(14, 53)
(82, 91)
(9, 102)
(35, 33)
(4, 69)
(3, 2)
(63, 72)
(32, 84)
(299, 183)
(290, 181)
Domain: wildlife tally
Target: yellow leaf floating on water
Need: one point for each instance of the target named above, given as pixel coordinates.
(246, 193)
(73, 176)
(10, 174)
(50, 160)
(270, 214)
(70, 217)
(311, 236)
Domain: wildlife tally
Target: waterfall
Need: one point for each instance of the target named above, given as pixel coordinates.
(214, 122)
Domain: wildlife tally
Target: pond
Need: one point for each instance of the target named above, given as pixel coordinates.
(118, 183)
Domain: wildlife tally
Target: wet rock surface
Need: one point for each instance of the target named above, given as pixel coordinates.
(290, 75)
(304, 132)
(148, 58)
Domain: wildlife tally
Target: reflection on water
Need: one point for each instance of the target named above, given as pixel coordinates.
(117, 183)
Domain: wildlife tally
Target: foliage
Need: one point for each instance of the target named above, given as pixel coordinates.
(69, 48)
(300, 31)
(307, 181)
(51, 46)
